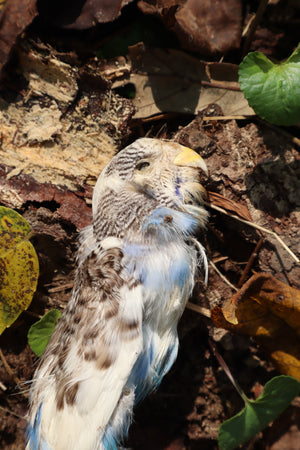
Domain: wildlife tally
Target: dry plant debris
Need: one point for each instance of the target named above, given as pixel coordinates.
(268, 310)
(63, 114)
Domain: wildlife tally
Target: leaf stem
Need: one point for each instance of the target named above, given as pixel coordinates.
(259, 13)
(227, 371)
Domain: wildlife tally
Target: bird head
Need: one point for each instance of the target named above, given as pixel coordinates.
(151, 173)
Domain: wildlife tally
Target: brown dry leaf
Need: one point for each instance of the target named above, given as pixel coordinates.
(268, 310)
(172, 81)
(81, 14)
(229, 205)
(204, 26)
(16, 15)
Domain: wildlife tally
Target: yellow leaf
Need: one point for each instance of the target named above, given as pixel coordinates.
(268, 310)
(19, 267)
(13, 228)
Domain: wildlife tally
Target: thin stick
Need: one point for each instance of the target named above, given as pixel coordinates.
(227, 370)
(232, 117)
(220, 259)
(219, 84)
(259, 13)
(258, 227)
(222, 276)
(63, 287)
(8, 368)
(32, 314)
(199, 309)
(250, 262)
(2, 386)
(11, 412)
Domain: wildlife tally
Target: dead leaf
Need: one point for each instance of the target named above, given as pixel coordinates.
(229, 205)
(210, 27)
(16, 15)
(172, 81)
(269, 311)
(81, 14)
(206, 27)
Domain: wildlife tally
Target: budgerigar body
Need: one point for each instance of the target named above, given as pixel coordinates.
(136, 266)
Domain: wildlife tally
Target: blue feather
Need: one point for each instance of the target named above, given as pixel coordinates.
(179, 272)
(138, 378)
(146, 376)
(109, 439)
(158, 280)
(178, 183)
(167, 225)
(33, 435)
(166, 222)
(112, 438)
(163, 368)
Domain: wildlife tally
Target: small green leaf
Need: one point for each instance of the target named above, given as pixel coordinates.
(272, 90)
(19, 267)
(277, 395)
(40, 332)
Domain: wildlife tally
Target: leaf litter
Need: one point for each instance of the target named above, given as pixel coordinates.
(253, 174)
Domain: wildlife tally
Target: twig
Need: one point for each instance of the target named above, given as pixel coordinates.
(226, 369)
(2, 386)
(232, 117)
(32, 314)
(250, 262)
(8, 368)
(258, 227)
(246, 29)
(257, 18)
(220, 259)
(255, 438)
(63, 287)
(220, 85)
(199, 309)
(222, 276)
(159, 116)
(11, 412)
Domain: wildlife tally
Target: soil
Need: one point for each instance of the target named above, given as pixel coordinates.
(251, 163)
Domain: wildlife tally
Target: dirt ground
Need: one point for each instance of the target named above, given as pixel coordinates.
(250, 162)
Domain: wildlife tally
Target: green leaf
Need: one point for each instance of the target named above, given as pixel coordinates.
(40, 332)
(277, 395)
(272, 90)
(19, 267)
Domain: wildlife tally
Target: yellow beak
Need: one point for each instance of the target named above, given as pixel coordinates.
(189, 158)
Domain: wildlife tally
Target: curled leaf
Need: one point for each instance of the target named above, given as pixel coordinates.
(229, 205)
(268, 310)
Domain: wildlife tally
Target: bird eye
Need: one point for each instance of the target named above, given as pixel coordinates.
(141, 165)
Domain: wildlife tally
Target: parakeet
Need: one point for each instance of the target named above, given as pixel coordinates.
(136, 266)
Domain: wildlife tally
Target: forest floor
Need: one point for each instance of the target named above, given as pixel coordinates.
(70, 99)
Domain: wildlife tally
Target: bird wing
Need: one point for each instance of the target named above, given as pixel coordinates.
(81, 378)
